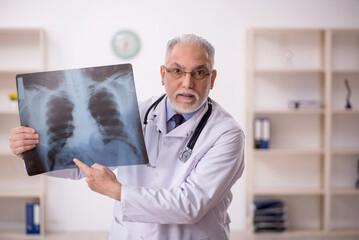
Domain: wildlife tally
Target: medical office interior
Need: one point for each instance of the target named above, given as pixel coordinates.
(290, 67)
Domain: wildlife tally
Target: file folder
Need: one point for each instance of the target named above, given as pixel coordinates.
(33, 218)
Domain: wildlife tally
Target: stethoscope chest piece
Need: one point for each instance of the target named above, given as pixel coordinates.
(185, 155)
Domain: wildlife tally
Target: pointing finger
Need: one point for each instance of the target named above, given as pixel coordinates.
(98, 166)
(86, 169)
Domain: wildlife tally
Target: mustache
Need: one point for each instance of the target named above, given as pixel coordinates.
(187, 92)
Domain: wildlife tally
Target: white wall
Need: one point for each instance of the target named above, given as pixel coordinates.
(79, 35)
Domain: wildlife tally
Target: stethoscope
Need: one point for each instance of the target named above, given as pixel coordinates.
(187, 152)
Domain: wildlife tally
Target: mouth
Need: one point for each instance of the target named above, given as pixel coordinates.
(186, 97)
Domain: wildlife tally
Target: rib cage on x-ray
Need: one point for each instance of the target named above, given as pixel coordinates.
(83, 113)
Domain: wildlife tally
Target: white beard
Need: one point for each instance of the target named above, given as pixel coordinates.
(191, 108)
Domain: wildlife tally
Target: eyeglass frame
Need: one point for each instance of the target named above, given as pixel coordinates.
(191, 73)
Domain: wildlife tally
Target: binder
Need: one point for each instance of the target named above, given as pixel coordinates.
(257, 133)
(357, 182)
(32, 218)
(265, 133)
(261, 133)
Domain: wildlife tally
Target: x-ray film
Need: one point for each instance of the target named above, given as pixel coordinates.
(88, 113)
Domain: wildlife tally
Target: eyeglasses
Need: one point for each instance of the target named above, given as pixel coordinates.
(177, 73)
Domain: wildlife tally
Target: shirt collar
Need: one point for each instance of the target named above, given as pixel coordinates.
(171, 112)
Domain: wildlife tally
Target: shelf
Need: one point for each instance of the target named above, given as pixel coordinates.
(345, 151)
(19, 235)
(290, 111)
(5, 151)
(344, 232)
(346, 71)
(21, 194)
(22, 51)
(306, 233)
(6, 154)
(285, 152)
(19, 71)
(345, 191)
(346, 112)
(287, 192)
(313, 153)
(288, 71)
(287, 234)
(3, 112)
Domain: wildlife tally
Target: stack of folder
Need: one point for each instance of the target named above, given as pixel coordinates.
(270, 216)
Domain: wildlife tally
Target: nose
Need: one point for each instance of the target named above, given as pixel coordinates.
(187, 81)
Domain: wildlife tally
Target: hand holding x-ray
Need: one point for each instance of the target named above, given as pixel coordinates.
(22, 139)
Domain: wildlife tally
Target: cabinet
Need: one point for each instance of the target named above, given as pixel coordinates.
(21, 51)
(311, 163)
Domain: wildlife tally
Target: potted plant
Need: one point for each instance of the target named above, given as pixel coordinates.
(13, 101)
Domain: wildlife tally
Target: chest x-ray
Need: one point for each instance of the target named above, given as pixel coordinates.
(89, 113)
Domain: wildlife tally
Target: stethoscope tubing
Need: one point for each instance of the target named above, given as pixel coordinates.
(187, 152)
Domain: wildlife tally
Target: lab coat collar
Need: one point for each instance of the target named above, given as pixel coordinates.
(185, 130)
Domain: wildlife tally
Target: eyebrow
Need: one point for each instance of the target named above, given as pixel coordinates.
(195, 68)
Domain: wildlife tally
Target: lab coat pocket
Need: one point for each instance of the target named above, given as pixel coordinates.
(118, 230)
(118, 226)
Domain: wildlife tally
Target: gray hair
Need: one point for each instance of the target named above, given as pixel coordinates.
(192, 39)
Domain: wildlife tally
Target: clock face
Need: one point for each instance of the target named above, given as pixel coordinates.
(126, 44)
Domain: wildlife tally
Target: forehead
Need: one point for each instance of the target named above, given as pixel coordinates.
(188, 56)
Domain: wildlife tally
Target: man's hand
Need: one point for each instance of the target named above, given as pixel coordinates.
(22, 139)
(101, 179)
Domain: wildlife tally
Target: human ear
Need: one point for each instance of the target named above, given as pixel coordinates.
(213, 78)
(162, 70)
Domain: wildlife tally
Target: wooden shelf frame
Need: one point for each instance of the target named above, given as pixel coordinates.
(327, 71)
(25, 53)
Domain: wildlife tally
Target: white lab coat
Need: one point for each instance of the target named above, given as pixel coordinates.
(175, 200)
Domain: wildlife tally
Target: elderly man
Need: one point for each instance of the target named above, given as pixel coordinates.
(195, 149)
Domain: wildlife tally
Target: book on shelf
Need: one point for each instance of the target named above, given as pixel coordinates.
(270, 216)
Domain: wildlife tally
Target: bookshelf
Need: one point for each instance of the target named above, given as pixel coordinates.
(21, 50)
(311, 163)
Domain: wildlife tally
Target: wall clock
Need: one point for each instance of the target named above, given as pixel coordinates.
(126, 44)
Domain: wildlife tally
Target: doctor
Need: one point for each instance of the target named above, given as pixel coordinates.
(176, 197)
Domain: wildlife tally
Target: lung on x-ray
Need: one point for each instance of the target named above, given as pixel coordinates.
(89, 113)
